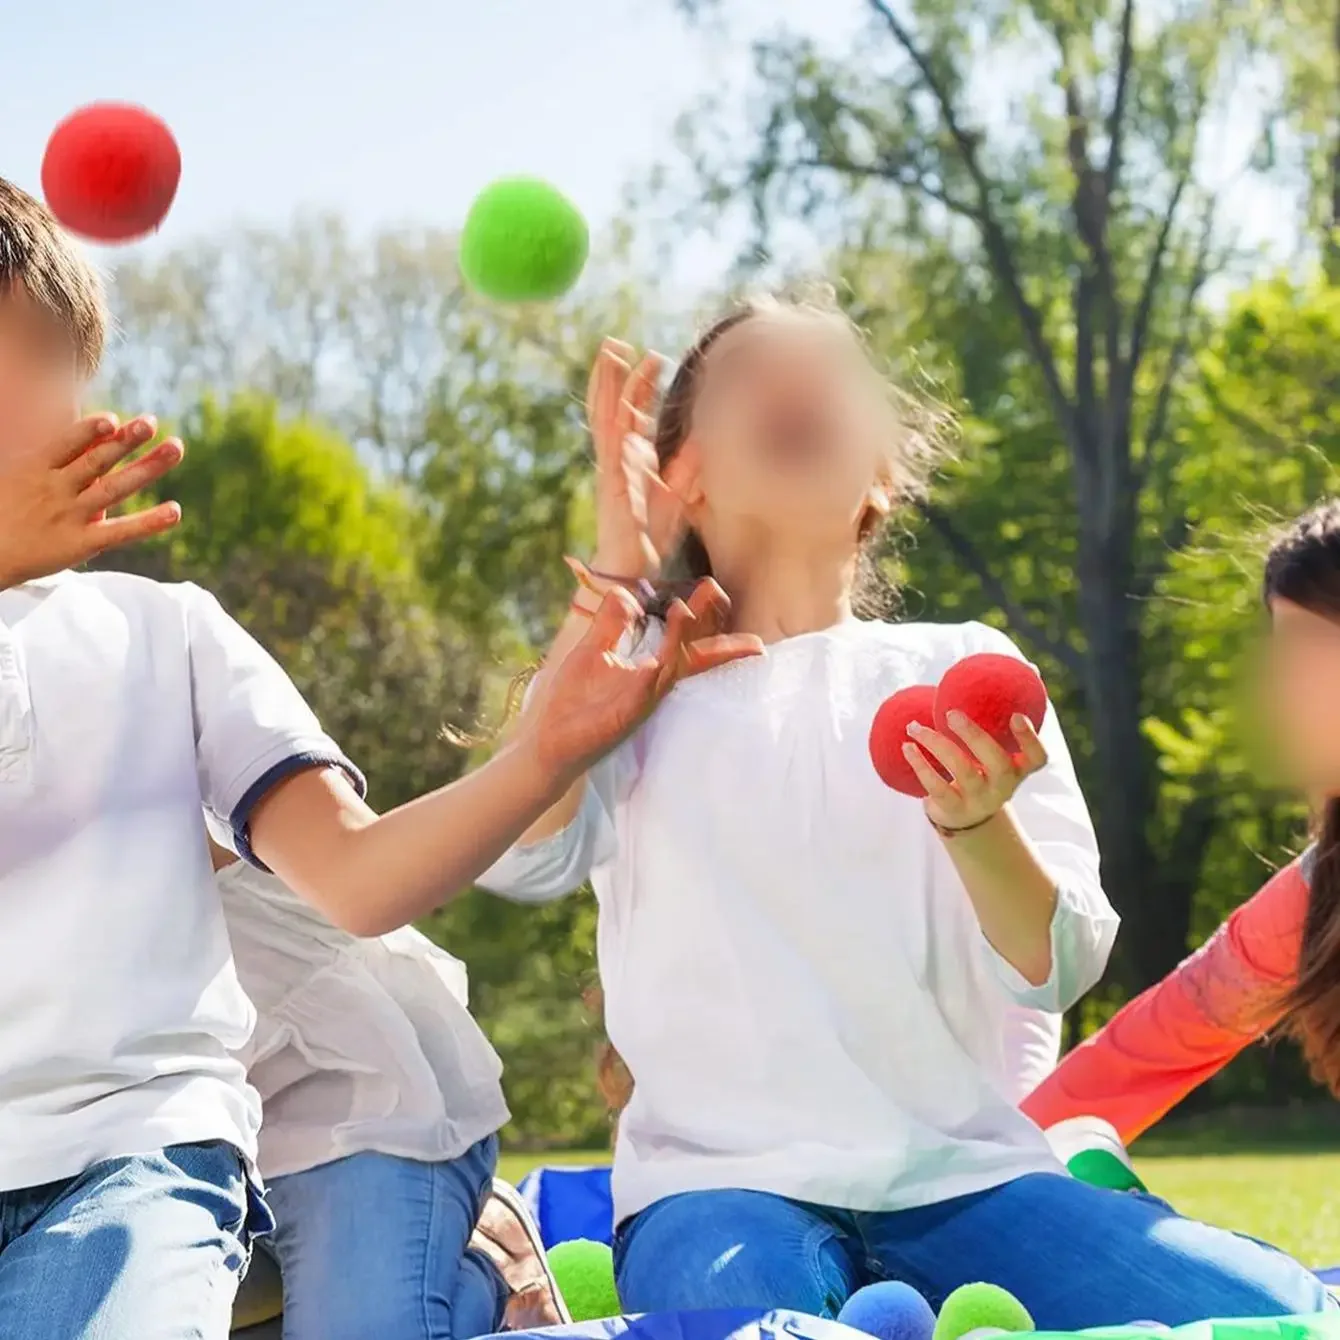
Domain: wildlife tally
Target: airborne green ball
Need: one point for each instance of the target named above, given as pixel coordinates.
(584, 1271)
(523, 241)
(973, 1307)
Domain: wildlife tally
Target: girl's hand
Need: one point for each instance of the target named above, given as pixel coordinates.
(982, 781)
(637, 515)
(597, 697)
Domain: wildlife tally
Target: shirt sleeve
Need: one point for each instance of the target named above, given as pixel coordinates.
(1183, 1030)
(253, 728)
(1050, 809)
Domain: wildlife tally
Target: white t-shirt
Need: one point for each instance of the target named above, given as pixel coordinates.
(792, 969)
(126, 706)
(360, 1044)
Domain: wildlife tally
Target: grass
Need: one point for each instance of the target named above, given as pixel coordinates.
(1273, 1176)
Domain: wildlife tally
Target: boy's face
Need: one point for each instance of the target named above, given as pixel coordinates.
(40, 382)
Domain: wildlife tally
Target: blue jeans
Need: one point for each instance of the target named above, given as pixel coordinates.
(143, 1248)
(1076, 1256)
(372, 1245)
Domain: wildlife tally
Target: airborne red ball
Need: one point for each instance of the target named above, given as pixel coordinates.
(110, 172)
(888, 735)
(989, 689)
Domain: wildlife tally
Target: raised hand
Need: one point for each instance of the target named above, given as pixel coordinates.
(637, 515)
(596, 697)
(53, 503)
(983, 776)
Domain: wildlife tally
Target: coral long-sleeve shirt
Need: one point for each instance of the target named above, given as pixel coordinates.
(1180, 1032)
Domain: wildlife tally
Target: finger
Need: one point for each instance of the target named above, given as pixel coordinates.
(121, 484)
(710, 606)
(670, 662)
(1032, 752)
(639, 392)
(608, 375)
(960, 766)
(994, 760)
(618, 615)
(709, 652)
(932, 781)
(97, 460)
(78, 439)
(123, 530)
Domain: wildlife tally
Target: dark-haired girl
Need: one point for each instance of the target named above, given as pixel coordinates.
(1276, 960)
(809, 976)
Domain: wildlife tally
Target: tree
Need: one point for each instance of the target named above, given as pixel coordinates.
(1075, 210)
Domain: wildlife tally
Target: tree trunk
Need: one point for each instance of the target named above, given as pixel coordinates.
(1331, 247)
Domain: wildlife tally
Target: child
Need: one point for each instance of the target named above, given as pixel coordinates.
(382, 1104)
(127, 1129)
(1276, 960)
(803, 969)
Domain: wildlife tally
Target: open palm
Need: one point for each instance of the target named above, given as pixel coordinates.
(637, 514)
(598, 695)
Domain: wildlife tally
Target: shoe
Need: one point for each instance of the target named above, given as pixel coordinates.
(1092, 1152)
(508, 1236)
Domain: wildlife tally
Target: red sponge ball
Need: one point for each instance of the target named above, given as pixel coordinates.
(110, 172)
(989, 689)
(888, 735)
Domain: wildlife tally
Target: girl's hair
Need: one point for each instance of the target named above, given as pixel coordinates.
(1304, 568)
(918, 434)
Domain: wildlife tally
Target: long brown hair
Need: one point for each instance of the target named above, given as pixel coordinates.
(919, 431)
(1304, 569)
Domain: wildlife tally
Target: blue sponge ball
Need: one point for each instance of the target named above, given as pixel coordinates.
(889, 1310)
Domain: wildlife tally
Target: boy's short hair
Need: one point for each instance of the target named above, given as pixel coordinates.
(37, 255)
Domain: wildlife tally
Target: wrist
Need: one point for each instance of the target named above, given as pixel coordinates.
(543, 778)
(987, 829)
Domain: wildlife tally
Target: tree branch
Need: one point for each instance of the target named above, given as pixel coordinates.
(889, 172)
(1023, 622)
(994, 238)
(1116, 120)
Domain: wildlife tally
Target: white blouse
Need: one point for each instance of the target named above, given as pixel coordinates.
(359, 1044)
(792, 968)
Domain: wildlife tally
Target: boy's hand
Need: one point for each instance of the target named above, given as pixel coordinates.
(53, 503)
(597, 697)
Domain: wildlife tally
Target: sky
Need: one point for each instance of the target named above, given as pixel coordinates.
(388, 111)
(395, 111)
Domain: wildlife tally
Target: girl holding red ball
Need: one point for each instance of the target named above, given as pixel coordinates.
(809, 976)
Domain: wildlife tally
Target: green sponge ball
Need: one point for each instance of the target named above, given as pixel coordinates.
(523, 241)
(584, 1271)
(975, 1307)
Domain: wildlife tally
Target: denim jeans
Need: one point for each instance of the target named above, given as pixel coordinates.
(149, 1247)
(373, 1245)
(1075, 1255)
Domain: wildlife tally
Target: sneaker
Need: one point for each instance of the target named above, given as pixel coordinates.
(508, 1236)
(1092, 1152)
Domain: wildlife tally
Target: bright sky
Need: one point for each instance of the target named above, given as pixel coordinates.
(390, 111)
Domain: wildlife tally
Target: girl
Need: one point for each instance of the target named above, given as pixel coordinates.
(379, 1142)
(1276, 960)
(804, 970)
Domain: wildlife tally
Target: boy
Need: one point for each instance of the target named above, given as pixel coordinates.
(127, 1130)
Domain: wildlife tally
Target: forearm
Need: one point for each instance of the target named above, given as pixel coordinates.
(1011, 892)
(371, 874)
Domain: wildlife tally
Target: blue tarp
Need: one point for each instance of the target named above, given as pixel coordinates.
(734, 1323)
(570, 1203)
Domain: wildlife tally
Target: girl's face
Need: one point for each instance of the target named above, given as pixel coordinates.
(790, 426)
(40, 385)
(1303, 695)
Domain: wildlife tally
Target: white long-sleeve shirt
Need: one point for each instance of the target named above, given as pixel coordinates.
(792, 968)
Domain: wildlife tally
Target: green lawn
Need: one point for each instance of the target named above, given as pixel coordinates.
(1278, 1180)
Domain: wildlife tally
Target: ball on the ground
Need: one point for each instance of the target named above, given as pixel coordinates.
(976, 1307)
(889, 1310)
(110, 172)
(523, 241)
(584, 1271)
(989, 689)
(888, 735)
